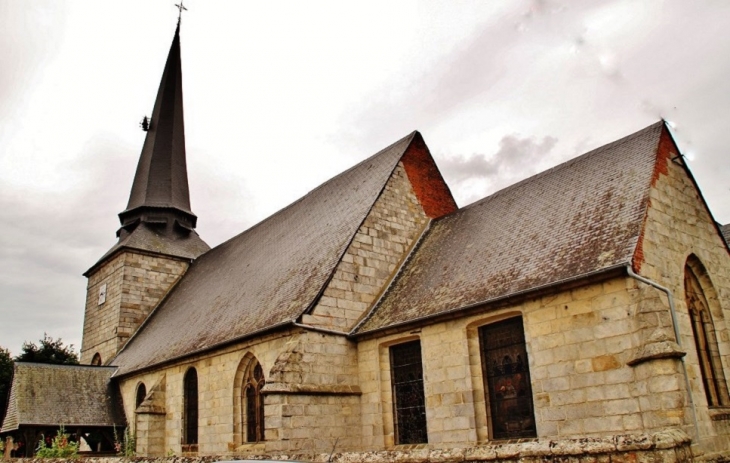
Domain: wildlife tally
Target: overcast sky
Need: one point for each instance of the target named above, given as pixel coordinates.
(280, 96)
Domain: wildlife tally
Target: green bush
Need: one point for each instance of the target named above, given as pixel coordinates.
(61, 447)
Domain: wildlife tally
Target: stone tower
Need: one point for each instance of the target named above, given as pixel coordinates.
(157, 238)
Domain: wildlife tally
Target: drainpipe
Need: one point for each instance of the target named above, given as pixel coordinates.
(675, 325)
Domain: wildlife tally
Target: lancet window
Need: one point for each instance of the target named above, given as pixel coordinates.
(190, 417)
(703, 331)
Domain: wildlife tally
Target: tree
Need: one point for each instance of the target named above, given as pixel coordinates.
(48, 351)
(6, 376)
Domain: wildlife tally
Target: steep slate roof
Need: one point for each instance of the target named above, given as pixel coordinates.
(268, 275)
(577, 218)
(158, 218)
(72, 395)
(161, 179)
(725, 229)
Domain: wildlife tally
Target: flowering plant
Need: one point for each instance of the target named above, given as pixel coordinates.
(60, 446)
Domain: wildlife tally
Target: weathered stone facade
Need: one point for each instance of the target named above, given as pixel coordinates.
(311, 397)
(377, 250)
(601, 355)
(608, 378)
(135, 282)
(679, 232)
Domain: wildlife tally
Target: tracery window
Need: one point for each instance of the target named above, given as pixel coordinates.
(96, 360)
(703, 330)
(190, 399)
(507, 378)
(409, 406)
(254, 404)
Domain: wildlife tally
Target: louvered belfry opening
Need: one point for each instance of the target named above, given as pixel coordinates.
(507, 377)
(190, 419)
(409, 405)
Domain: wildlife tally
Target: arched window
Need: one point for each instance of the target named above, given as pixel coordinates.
(254, 404)
(96, 360)
(248, 401)
(141, 394)
(506, 372)
(190, 399)
(703, 331)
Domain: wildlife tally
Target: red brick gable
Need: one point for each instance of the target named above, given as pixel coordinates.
(428, 184)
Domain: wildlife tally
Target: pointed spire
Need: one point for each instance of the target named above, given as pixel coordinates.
(160, 190)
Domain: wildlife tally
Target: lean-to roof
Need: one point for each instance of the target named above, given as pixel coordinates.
(575, 219)
(266, 276)
(69, 395)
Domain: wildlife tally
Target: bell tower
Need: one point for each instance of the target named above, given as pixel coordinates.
(157, 238)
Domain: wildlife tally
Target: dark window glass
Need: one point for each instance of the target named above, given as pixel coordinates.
(507, 376)
(409, 408)
(141, 394)
(96, 360)
(190, 434)
(254, 400)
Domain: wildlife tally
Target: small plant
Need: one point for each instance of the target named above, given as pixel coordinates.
(126, 447)
(171, 453)
(2, 446)
(60, 446)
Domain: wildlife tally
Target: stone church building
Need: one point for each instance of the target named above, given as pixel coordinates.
(585, 307)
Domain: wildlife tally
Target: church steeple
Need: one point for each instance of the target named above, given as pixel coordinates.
(160, 190)
(157, 240)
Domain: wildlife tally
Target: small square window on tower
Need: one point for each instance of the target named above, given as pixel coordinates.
(102, 294)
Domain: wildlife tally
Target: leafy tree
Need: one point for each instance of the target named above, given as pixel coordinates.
(6, 376)
(48, 351)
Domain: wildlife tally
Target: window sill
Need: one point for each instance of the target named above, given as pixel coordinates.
(720, 413)
(190, 449)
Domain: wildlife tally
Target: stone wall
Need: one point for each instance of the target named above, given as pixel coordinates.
(377, 250)
(669, 446)
(311, 396)
(135, 283)
(679, 228)
(578, 343)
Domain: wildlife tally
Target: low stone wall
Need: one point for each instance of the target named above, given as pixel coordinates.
(671, 446)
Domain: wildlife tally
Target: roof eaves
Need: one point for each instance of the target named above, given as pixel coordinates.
(203, 350)
(496, 300)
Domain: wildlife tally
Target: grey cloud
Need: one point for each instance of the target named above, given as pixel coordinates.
(47, 240)
(516, 156)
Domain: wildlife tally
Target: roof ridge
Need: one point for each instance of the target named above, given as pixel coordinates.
(60, 365)
(261, 222)
(562, 165)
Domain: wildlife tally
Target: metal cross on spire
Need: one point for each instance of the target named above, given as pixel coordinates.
(181, 8)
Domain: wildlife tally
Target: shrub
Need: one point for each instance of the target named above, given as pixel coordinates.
(61, 447)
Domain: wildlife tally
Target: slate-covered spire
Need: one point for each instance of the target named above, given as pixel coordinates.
(158, 218)
(160, 192)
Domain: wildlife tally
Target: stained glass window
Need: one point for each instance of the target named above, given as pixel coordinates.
(409, 405)
(507, 377)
